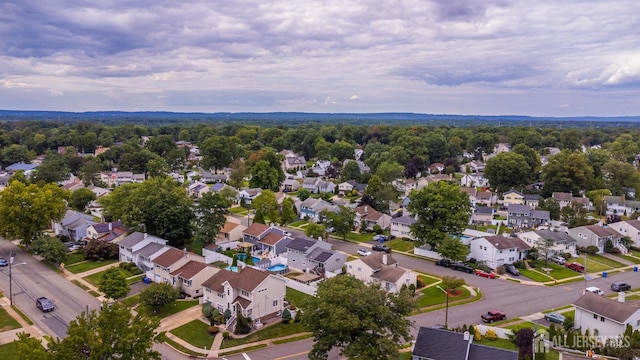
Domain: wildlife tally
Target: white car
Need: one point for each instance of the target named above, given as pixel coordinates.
(364, 252)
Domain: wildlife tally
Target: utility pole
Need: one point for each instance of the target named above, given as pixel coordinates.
(446, 311)
(11, 257)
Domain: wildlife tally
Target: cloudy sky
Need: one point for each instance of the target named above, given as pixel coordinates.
(487, 57)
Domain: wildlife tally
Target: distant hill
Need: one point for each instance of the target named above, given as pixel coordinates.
(297, 118)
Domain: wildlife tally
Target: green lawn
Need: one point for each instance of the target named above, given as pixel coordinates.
(131, 301)
(535, 275)
(167, 310)
(632, 259)
(427, 279)
(80, 284)
(296, 297)
(356, 237)
(238, 210)
(7, 322)
(526, 324)
(195, 333)
(401, 245)
(163, 338)
(22, 315)
(298, 223)
(74, 258)
(88, 265)
(8, 351)
(269, 332)
(597, 263)
(434, 296)
(195, 247)
(94, 279)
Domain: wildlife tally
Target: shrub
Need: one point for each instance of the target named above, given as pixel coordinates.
(519, 264)
(471, 330)
(616, 250)
(419, 283)
(207, 310)
(226, 335)
(567, 256)
(592, 250)
(212, 330)
(298, 316)
(473, 260)
(286, 316)
(490, 334)
(477, 335)
(412, 288)
(500, 270)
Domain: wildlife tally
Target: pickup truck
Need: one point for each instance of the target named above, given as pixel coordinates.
(576, 267)
(493, 315)
(460, 266)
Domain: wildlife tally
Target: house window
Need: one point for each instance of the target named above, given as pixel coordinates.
(220, 309)
(275, 303)
(221, 295)
(228, 292)
(595, 316)
(187, 282)
(359, 269)
(602, 318)
(244, 293)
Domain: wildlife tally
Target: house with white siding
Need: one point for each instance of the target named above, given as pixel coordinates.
(498, 250)
(609, 316)
(401, 227)
(382, 269)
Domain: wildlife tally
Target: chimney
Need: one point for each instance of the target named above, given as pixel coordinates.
(366, 208)
(384, 259)
(184, 252)
(621, 296)
(145, 235)
(110, 226)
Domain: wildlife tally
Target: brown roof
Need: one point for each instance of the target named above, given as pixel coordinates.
(603, 306)
(634, 223)
(374, 261)
(272, 238)
(242, 301)
(483, 195)
(256, 229)
(602, 231)
(469, 190)
(190, 269)
(246, 279)
(562, 196)
(168, 257)
(228, 226)
(503, 242)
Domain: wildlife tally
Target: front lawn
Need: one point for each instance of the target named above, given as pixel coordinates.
(298, 223)
(269, 332)
(195, 333)
(401, 244)
(88, 265)
(8, 351)
(363, 237)
(94, 279)
(238, 210)
(598, 263)
(434, 296)
(535, 275)
(7, 322)
(74, 258)
(296, 297)
(167, 310)
(428, 279)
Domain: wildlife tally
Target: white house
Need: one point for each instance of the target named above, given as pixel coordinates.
(401, 227)
(139, 248)
(381, 268)
(628, 228)
(253, 293)
(559, 242)
(312, 255)
(609, 316)
(248, 195)
(74, 225)
(595, 235)
(498, 250)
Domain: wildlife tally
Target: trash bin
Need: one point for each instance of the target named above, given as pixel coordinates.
(635, 269)
(146, 280)
(604, 274)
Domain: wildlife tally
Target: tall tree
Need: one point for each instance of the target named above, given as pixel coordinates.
(27, 210)
(216, 153)
(238, 173)
(567, 172)
(507, 170)
(454, 249)
(210, 217)
(266, 206)
(157, 295)
(288, 211)
(442, 210)
(159, 206)
(350, 171)
(52, 170)
(114, 284)
(371, 325)
(265, 176)
(389, 171)
(81, 198)
(342, 221)
(113, 333)
(621, 178)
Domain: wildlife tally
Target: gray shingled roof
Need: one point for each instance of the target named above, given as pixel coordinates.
(555, 235)
(320, 255)
(149, 250)
(405, 220)
(301, 244)
(503, 242)
(603, 306)
(136, 237)
(441, 344)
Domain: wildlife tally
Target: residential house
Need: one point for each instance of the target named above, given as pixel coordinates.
(311, 184)
(269, 241)
(74, 225)
(441, 344)
(482, 215)
(292, 161)
(189, 277)
(248, 195)
(596, 235)
(255, 294)
(345, 188)
(501, 147)
(312, 255)
(563, 198)
(436, 168)
(289, 185)
(401, 227)
(321, 167)
(170, 260)
(405, 186)
(475, 166)
(628, 228)
(471, 193)
(139, 248)
(513, 197)
(474, 180)
(27, 169)
(381, 268)
(531, 200)
(326, 187)
(107, 231)
(556, 242)
(361, 165)
(609, 316)
(231, 231)
(371, 217)
(522, 216)
(197, 189)
(485, 197)
(311, 208)
(358, 187)
(618, 205)
(498, 250)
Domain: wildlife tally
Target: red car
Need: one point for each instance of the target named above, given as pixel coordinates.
(485, 274)
(576, 267)
(493, 315)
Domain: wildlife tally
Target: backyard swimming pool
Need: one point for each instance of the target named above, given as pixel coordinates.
(277, 267)
(242, 256)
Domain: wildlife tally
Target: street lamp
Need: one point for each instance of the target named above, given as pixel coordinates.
(11, 256)
(446, 312)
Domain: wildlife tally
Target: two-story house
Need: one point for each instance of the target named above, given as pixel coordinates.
(555, 242)
(189, 277)
(474, 180)
(289, 185)
(522, 216)
(247, 195)
(231, 231)
(311, 184)
(401, 227)
(250, 292)
(381, 268)
(498, 250)
(170, 260)
(371, 217)
(107, 231)
(139, 248)
(628, 228)
(313, 255)
(595, 235)
(74, 224)
(292, 161)
(512, 197)
(268, 241)
(311, 208)
(482, 215)
(609, 316)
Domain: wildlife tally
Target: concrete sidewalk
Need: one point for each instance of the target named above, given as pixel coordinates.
(79, 277)
(12, 335)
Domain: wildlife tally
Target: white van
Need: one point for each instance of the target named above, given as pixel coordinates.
(595, 290)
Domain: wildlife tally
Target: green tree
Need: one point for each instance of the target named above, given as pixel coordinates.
(210, 217)
(114, 284)
(524, 342)
(113, 333)
(620, 177)
(158, 206)
(27, 210)
(508, 170)
(378, 194)
(15, 154)
(50, 248)
(157, 295)
(389, 171)
(315, 231)
(266, 206)
(52, 170)
(161, 144)
(342, 150)
(80, 198)
(454, 249)
(216, 153)
(89, 172)
(451, 283)
(288, 211)
(238, 173)
(354, 324)
(442, 211)
(532, 158)
(303, 194)
(552, 206)
(567, 172)
(265, 176)
(342, 221)
(350, 171)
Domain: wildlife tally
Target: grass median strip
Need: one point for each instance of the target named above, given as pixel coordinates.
(163, 338)
(22, 315)
(269, 332)
(7, 322)
(88, 265)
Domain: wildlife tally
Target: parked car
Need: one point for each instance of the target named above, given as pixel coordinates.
(575, 266)
(460, 266)
(381, 248)
(493, 315)
(554, 317)
(364, 252)
(3, 262)
(594, 290)
(443, 262)
(380, 238)
(486, 274)
(511, 269)
(44, 304)
(620, 286)
(558, 260)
